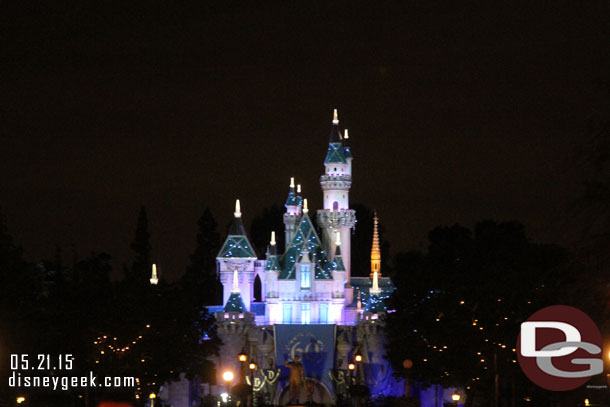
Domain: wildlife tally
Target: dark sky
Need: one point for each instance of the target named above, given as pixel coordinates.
(457, 111)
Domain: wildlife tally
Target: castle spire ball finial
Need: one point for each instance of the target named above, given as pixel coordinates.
(305, 208)
(335, 117)
(237, 212)
(298, 188)
(291, 182)
(272, 243)
(345, 135)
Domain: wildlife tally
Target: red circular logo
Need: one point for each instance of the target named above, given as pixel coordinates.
(559, 348)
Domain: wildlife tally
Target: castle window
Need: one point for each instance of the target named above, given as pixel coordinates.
(305, 313)
(305, 277)
(335, 206)
(287, 313)
(324, 313)
(258, 289)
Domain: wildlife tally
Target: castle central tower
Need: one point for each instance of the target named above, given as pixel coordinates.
(337, 217)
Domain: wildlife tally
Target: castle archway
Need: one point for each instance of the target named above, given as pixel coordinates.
(258, 289)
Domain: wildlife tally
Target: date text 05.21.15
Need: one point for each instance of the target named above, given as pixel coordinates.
(41, 362)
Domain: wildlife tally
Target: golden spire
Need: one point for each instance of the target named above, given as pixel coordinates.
(375, 252)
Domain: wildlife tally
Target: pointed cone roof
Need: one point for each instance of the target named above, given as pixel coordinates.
(273, 263)
(338, 261)
(336, 153)
(237, 245)
(273, 260)
(235, 303)
(305, 237)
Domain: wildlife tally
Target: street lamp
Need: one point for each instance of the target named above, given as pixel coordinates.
(243, 356)
(20, 400)
(455, 397)
(227, 376)
(152, 397)
(358, 357)
(252, 366)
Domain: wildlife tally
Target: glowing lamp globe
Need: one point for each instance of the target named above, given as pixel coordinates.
(407, 363)
(351, 366)
(227, 376)
(455, 397)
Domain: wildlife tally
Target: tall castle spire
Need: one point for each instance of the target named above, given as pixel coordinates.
(336, 214)
(375, 251)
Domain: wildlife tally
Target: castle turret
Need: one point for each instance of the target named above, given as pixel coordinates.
(293, 212)
(272, 268)
(336, 215)
(236, 258)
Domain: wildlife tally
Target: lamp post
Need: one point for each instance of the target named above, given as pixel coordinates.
(456, 398)
(252, 366)
(152, 398)
(20, 400)
(351, 367)
(227, 376)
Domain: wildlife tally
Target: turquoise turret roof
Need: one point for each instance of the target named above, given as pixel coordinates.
(237, 246)
(292, 199)
(235, 303)
(336, 154)
(273, 263)
(305, 238)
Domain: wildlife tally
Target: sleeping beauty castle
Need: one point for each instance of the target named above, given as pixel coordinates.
(300, 301)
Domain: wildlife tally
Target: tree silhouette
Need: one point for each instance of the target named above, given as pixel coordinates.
(141, 266)
(200, 278)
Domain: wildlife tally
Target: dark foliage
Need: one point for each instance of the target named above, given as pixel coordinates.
(459, 305)
(124, 328)
(200, 280)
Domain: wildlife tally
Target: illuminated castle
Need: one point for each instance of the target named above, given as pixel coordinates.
(310, 282)
(309, 305)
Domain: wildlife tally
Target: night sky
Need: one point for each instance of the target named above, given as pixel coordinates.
(456, 113)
